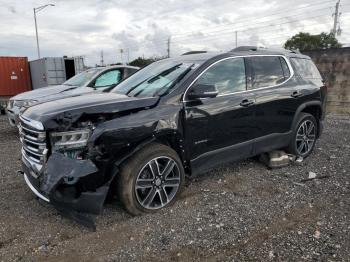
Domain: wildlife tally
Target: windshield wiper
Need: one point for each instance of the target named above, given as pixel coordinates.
(177, 80)
(70, 88)
(154, 78)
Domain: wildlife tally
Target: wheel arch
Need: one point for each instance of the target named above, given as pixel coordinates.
(170, 138)
(312, 107)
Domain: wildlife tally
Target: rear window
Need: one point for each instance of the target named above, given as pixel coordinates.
(305, 68)
(268, 71)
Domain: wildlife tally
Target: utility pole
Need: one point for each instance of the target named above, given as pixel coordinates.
(36, 33)
(236, 33)
(121, 55)
(336, 15)
(102, 58)
(168, 49)
(35, 11)
(128, 50)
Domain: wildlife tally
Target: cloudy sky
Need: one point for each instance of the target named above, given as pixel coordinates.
(141, 28)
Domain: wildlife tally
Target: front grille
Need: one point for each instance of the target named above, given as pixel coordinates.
(34, 144)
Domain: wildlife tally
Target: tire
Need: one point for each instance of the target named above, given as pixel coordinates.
(147, 169)
(304, 136)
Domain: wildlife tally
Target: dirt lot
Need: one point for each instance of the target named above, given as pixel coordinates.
(242, 211)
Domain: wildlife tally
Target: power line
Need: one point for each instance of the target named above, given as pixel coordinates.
(244, 26)
(250, 28)
(262, 36)
(249, 20)
(253, 28)
(215, 35)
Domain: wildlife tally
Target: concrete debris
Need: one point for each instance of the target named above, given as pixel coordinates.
(317, 234)
(312, 175)
(275, 159)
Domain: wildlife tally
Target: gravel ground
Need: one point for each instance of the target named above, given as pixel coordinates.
(239, 212)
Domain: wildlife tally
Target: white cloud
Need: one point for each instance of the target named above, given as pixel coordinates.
(78, 27)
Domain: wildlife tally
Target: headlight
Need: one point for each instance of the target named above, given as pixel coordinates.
(62, 141)
(29, 103)
(24, 103)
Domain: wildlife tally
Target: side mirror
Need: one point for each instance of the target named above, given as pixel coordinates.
(203, 91)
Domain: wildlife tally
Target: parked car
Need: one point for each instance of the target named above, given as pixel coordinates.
(99, 79)
(177, 116)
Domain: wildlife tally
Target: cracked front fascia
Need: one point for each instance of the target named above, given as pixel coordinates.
(120, 138)
(57, 168)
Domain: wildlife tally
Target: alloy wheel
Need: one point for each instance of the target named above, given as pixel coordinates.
(305, 138)
(157, 183)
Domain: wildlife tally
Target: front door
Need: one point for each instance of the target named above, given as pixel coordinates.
(221, 128)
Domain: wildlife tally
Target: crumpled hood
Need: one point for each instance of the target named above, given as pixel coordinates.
(53, 92)
(70, 109)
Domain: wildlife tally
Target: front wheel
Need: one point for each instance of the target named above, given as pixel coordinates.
(304, 136)
(151, 179)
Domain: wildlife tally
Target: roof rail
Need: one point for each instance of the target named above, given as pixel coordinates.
(294, 51)
(245, 48)
(194, 52)
(256, 48)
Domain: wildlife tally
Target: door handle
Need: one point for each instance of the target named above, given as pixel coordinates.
(296, 94)
(247, 102)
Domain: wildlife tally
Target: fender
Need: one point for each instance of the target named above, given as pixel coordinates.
(168, 136)
(302, 107)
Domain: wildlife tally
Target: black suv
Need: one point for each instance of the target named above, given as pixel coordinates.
(176, 116)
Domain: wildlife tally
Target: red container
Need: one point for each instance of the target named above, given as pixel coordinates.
(14, 75)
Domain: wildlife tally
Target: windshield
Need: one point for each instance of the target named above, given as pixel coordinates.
(155, 79)
(82, 78)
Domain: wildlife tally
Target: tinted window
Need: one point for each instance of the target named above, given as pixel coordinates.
(305, 68)
(82, 78)
(227, 76)
(267, 71)
(109, 78)
(285, 68)
(155, 79)
(130, 71)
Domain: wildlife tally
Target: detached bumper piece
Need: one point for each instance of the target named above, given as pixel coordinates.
(35, 191)
(51, 187)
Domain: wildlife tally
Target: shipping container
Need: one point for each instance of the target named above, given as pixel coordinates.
(47, 71)
(50, 71)
(14, 76)
(79, 64)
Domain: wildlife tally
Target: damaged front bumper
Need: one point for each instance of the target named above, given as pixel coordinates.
(32, 187)
(51, 185)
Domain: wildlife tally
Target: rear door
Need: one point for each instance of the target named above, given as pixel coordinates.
(222, 128)
(310, 80)
(275, 104)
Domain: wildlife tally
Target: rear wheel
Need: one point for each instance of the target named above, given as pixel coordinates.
(304, 136)
(150, 180)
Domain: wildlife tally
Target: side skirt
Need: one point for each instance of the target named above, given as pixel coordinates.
(211, 159)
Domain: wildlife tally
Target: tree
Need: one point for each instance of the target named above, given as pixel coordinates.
(142, 62)
(306, 41)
